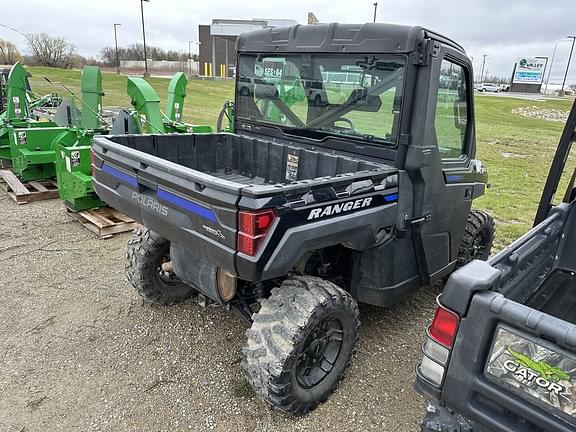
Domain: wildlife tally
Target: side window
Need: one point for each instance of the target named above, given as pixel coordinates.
(451, 120)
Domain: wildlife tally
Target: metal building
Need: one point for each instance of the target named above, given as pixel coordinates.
(218, 40)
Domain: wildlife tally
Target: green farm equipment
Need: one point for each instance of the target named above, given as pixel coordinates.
(33, 144)
(19, 106)
(228, 113)
(146, 102)
(72, 156)
(73, 167)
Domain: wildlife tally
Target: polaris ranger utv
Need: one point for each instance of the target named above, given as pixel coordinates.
(501, 351)
(349, 178)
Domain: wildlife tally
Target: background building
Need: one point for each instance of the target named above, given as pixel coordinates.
(218, 40)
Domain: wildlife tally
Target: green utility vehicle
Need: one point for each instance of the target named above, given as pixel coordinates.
(500, 354)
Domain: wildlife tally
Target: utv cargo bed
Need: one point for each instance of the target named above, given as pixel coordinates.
(190, 188)
(263, 166)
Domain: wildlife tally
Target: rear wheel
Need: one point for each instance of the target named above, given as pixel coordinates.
(300, 343)
(478, 238)
(148, 269)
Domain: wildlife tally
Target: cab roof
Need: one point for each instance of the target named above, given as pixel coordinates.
(335, 37)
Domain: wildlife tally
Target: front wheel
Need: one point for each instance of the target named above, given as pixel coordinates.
(301, 343)
(149, 271)
(478, 238)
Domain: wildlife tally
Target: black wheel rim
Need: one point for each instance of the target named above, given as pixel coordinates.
(319, 353)
(166, 277)
(478, 249)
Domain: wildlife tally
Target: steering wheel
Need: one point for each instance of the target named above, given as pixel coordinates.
(348, 122)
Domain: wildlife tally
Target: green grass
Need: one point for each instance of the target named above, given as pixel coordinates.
(516, 150)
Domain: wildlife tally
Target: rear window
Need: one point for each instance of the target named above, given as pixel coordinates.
(346, 95)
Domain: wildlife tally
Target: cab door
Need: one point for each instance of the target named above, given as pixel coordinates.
(448, 177)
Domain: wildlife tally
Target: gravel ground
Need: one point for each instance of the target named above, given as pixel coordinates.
(79, 351)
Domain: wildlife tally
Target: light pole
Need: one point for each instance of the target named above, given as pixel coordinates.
(146, 73)
(569, 59)
(375, 9)
(482, 70)
(116, 46)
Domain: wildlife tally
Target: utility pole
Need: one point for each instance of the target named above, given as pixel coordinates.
(146, 73)
(375, 9)
(482, 70)
(116, 46)
(568, 65)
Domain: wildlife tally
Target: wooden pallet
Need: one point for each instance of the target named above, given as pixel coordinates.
(24, 193)
(105, 221)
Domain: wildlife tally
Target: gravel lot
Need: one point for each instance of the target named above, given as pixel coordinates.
(79, 351)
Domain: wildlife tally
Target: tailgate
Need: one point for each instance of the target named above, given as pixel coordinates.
(513, 367)
(195, 210)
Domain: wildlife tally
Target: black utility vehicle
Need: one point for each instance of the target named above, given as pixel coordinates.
(310, 206)
(501, 350)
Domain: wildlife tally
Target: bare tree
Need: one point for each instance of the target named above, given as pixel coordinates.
(9, 54)
(52, 51)
(136, 52)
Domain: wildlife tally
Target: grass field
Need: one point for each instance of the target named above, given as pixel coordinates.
(516, 150)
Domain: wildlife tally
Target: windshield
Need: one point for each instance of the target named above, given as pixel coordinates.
(319, 95)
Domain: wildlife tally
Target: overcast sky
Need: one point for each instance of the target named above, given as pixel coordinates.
(504, 30)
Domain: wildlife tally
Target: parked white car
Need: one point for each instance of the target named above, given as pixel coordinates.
(488, 87)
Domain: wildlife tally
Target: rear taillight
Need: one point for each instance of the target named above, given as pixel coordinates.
(93, 162)
(252, 229)
(444, 327)
(437, 347)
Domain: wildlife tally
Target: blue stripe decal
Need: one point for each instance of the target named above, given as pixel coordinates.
(191, 206)
(391, 197)
(454, 178)
(120, 175)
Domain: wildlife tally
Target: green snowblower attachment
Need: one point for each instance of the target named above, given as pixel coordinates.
(73, 164)
(72, 156)
(33, 147)
(19, 105)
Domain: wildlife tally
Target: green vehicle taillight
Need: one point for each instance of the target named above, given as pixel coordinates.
(436, 350)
